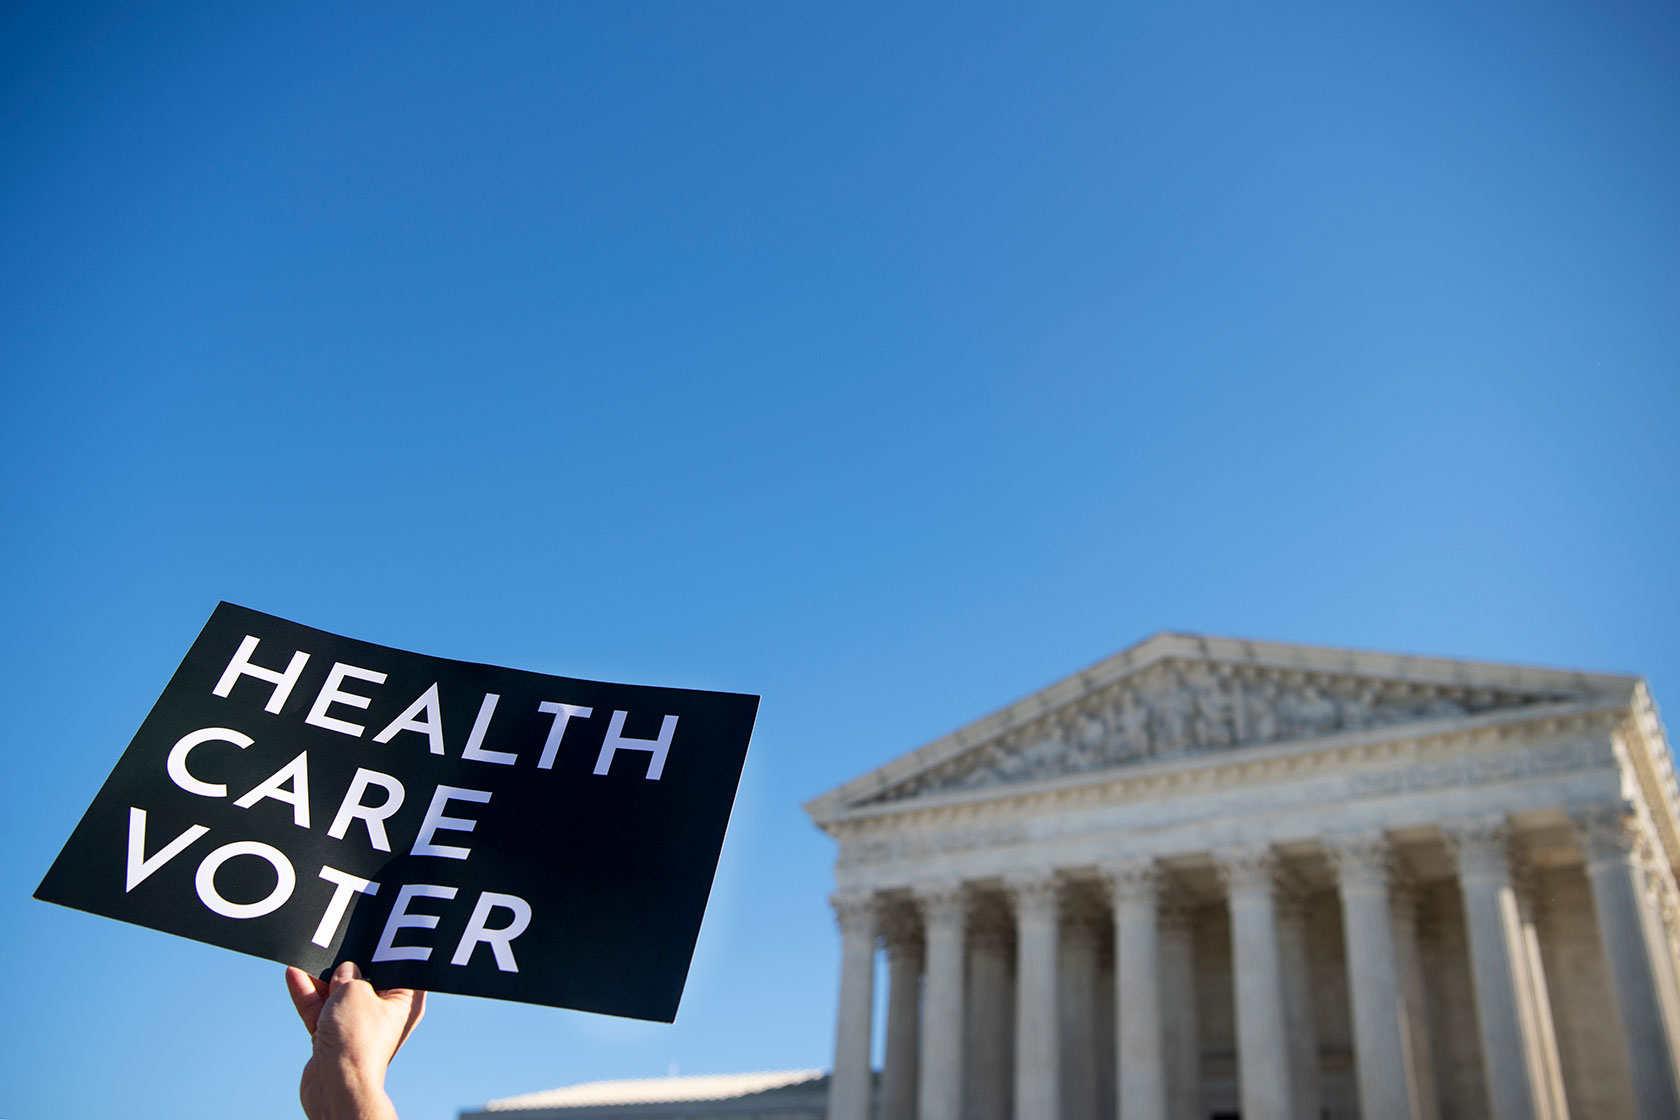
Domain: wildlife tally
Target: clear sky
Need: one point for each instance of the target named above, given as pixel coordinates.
(889, 361)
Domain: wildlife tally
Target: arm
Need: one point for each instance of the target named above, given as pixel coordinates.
(356, 1031)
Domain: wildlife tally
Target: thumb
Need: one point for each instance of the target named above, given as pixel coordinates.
(343, 978)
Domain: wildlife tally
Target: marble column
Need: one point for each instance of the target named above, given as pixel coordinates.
(904, 981)
(1262, 1050)
(1296, 961)
(1106, 1038)
(849, 1089)
(1379, 1041)
(1180, 1012)
(1537, 1003)
(989, 1061)
(1037, 1049)
(1076, 1001)
(1514, 1086)
(1608, 836)
(1139, 1050)
(1665, 933)
(1405, 906)
(1658, 913)
(943, 919)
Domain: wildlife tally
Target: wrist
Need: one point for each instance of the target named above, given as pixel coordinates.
(361, 1079)
(336, 1087)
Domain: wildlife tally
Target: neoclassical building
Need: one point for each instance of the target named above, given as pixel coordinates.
(1209, 878)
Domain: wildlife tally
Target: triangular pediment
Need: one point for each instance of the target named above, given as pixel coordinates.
(1178, 696)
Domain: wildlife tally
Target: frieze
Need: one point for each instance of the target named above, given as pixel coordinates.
(911, 846)
(1184, 708)
(1535, 762)
(884, 845)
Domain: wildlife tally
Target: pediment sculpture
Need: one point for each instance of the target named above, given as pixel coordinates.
(1180, 708)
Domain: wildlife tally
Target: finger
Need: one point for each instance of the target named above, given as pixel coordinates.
(342, 977)
(416, 1012)
(308, 994)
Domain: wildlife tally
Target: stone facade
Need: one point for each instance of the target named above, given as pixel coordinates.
(1211, 878)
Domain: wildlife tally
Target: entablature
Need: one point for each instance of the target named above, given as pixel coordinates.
(1532, 767)
(1451, 741)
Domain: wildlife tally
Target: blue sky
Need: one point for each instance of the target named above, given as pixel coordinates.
(890, 363)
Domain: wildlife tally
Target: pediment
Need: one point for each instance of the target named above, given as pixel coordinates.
(1178, 696)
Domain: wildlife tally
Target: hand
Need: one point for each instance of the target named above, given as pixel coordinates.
(357, 1031)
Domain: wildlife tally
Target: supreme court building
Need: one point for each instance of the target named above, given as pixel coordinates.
(1209, 878)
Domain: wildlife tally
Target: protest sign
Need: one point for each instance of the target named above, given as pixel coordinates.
(446, 825)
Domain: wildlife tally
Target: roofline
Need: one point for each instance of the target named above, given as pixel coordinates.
(1167, 645)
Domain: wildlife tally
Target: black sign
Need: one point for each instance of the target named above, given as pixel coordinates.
(446, 825)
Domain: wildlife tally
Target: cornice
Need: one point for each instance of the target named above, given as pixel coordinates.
(1297, 759)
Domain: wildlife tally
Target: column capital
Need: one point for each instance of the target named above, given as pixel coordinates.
(1481, 846)
(1606, 833)
(1364, 861)
(942, 904)
(1178, 914)
(989, 933)
(1406, 897)
(1524, 879)
(1293, 904)
(990, 923)
(1081, 920)
(1136, 880)
(1037, 893)
(854, 912)
(1247, 869)
(901, 930)
(1668, 908)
